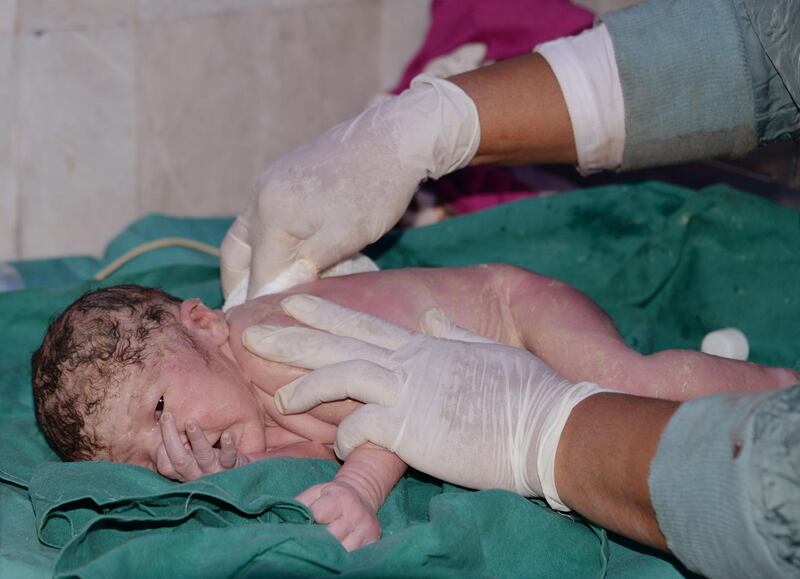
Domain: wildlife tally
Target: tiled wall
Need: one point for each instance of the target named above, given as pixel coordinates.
(110, 109)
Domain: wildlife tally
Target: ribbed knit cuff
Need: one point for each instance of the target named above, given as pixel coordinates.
(685, 81)
(702, 487)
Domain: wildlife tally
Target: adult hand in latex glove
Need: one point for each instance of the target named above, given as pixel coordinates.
(450, 403)
(328, 199)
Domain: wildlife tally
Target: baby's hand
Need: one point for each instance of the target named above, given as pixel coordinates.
(197, 458)
(342, 508)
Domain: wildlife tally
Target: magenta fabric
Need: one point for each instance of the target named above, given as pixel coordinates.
(508, 28)
(476, 188)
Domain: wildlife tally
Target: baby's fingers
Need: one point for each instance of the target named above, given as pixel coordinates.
(163, 464)
(182, 461)
(347, 519)
(310, 496)
(355, 534)
(227, 451)
(201, 449)
(327, 509)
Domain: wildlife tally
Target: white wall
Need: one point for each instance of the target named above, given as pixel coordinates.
(110, 109)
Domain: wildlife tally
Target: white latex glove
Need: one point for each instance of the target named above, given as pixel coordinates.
(328, 199)
(448, 402)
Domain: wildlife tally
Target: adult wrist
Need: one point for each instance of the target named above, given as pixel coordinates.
(546, 446)
(586, 69)
(452, 115)
(603, 461)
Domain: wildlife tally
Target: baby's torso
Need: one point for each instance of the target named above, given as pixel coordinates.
(399, 296)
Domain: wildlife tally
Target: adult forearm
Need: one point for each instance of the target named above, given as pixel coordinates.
(687, 96)
(603, 462)
(714, 480)
(523, 115)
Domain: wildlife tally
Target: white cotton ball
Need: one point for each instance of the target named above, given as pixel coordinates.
(726, 343)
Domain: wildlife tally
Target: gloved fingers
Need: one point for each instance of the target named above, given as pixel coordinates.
(330, 317)
(370, 423)
(356, 379)
(308, 348)
(276, 265)
(235, 255)
(356, 263)
(434, 322)
(238, 295)
(300, 272)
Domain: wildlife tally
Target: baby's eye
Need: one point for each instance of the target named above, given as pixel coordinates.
(159, 408)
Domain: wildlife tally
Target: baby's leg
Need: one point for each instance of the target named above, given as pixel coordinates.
(567, 330)
(686, 374)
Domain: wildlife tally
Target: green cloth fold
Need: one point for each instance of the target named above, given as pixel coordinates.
(109, 515)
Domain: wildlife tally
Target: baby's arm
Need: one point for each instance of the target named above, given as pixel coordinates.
(570, 333)
(349, 504)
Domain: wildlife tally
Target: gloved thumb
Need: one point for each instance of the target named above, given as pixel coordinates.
(300, 272)
(434, 322)
(356, 379)
(276, 265)
(370, 423)
(235, 256)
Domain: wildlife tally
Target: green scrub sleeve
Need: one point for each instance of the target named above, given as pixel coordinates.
(704, 79)
(725, 484)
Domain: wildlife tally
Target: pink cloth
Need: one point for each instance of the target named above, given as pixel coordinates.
(507, 28)
(476, 188)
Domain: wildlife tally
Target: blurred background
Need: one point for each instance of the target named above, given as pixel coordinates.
(112, 109)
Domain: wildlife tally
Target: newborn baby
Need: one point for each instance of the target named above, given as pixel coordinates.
(132, 374)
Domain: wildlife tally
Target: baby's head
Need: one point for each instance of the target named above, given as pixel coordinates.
(117, 357)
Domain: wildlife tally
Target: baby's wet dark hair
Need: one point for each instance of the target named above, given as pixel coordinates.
(101, 340)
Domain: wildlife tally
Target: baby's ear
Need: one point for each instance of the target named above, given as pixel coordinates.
(204, 323)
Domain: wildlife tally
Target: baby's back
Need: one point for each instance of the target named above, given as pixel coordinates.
(469, 296)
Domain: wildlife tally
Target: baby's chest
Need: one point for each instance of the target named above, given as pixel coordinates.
(317, 425)
(286, 429)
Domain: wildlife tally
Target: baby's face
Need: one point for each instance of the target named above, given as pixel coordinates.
(215, 393)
